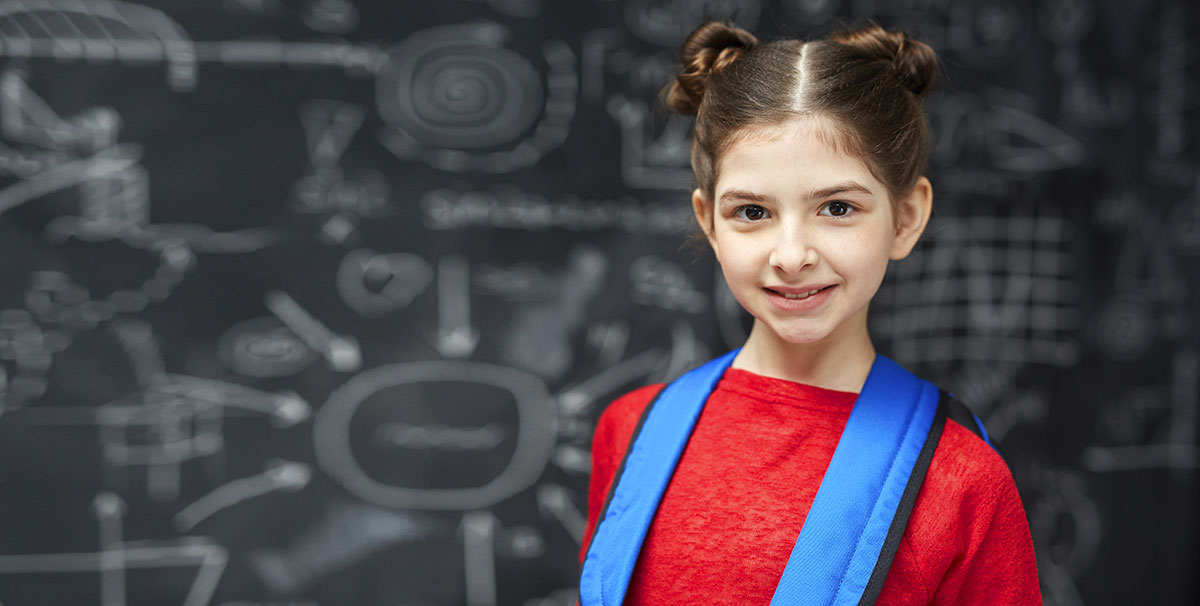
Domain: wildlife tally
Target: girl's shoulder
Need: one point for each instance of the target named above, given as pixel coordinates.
(965, 454)
(622, 416)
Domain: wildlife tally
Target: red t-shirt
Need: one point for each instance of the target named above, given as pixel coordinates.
(732, 511)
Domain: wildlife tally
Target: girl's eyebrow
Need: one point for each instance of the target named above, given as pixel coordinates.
(741, 195)
(845, 187)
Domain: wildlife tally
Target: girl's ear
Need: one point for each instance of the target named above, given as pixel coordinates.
(704, 216)
(912, 213)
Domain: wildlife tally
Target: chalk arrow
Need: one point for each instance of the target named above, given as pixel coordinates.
(286, 408)
(575, 400)
(283, 476)
(456, 337)
(479, 557)
(341, 352)
(109, 510)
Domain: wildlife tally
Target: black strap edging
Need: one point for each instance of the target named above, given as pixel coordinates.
(904, 509)
(959, 413)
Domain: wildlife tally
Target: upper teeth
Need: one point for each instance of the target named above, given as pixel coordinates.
(803, 295)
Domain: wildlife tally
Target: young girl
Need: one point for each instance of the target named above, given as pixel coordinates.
(803, 468)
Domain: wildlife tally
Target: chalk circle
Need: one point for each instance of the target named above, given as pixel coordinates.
(456, 87)
(264, 347)
(338, 455)
(1125, 329)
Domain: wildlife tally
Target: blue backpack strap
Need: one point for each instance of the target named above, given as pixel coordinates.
(843, 547)
(639, 484)
(851, 534)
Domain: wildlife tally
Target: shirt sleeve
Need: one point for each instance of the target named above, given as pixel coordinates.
(994, 562)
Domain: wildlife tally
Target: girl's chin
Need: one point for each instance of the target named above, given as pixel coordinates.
(786, 337)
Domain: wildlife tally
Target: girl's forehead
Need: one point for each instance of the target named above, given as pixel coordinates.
(805, 146)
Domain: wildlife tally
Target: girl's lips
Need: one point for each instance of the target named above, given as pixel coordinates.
(783, 302)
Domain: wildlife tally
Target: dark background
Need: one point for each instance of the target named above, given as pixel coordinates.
(316, 301)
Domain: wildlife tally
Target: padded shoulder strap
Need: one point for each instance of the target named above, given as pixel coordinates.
(844, 541)
(641, 481)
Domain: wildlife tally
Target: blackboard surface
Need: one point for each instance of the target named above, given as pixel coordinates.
(316, 302)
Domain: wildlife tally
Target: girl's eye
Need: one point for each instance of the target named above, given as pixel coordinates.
(750, 212)
(838, 208)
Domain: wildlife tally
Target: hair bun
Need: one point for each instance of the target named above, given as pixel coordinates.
(913, 62)
(709, 49)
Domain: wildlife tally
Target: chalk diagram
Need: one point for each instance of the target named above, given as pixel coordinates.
(454, 98)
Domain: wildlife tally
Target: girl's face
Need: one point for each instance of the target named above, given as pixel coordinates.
(804, 232)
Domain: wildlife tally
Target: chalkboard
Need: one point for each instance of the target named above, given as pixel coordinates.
(316, 302)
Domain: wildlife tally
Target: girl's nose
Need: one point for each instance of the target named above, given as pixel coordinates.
(794, 251)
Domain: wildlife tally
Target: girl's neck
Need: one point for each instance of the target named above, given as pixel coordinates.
(839, 362)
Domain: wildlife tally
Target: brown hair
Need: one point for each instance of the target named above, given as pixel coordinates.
(868, 83)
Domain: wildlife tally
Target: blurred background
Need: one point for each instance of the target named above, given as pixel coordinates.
(316, 302)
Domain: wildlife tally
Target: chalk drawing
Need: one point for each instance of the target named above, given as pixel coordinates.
(341, 352)
(116, 557)
(115, 30)
(667, 22)
(1000, 124)
(329, 126)
(331, 16)
(257, 8)
(563, 597)
(26, 345)
(344, 535)
(177, 419)
(577, 399)
(593, 56)
(662, 283)
(686, 353)
(984, 288)
(375, 285)
(1152, 431)
(1067, 527)
(609, 340)
(264, 347)
(512, 208)
(286, 476)
(103, 165)
(983, 33)
(539, 337)
(434, 436)
(1171, 98)
(518, 283)
(573, 459)
(451, 95)
(534, 433)
(478, 536)
(1066, 22)
(456, 337)
(555, 501)
(649, 161)
(26, 118)
(1021, 407)
(523, 542)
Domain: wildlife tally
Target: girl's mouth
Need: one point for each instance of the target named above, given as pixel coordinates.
(798, 296)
